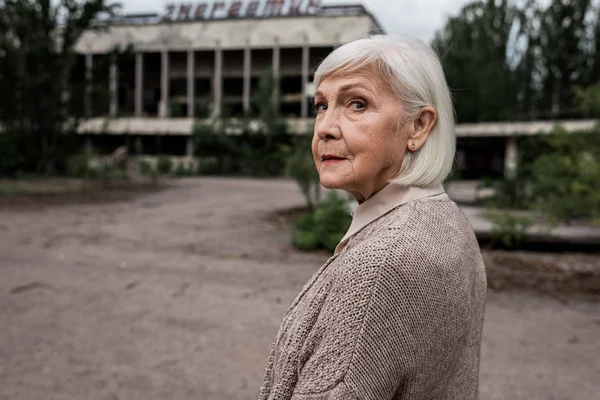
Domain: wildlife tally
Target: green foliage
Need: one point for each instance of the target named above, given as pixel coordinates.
(164, 165)
(37, 55)
(509, 227)
(183, 169)
(146, 168)
(78, 166)
(557, 175)
(248, 147)
(301, 167)
(176, 109)
(10, 157)
(473, 47)
(588, 99)
(566, 179)
(324, 227)
(518, 60)
(202, 109)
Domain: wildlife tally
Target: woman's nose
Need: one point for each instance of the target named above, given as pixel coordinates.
(327, 127)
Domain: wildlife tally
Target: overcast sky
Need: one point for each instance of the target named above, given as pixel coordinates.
(414, 17)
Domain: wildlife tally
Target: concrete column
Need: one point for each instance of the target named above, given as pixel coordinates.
(510, 157)
(305, 60)
(247, 65)
(189, 146)
(191, 79)
(139, 83)
(275, 67)
(164, 84)
(218, 80)
(114, 89)
(88, 85)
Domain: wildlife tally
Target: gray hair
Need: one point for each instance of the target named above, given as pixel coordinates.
(416, 75)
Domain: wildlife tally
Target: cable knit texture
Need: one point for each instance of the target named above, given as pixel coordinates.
(397, 314)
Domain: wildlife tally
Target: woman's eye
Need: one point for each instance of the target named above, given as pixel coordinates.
(320, 107)
(357, 105)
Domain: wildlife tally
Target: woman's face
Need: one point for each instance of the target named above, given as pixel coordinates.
(357, 144)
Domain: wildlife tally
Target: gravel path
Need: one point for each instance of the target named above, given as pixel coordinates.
(177, 294)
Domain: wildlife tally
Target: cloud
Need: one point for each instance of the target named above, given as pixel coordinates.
(420, 18)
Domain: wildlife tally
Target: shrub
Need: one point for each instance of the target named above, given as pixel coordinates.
(184, 169)
(77, 166)
(146, 168)
(164, 165)
(509, 228)
(324, 227)
(556, 174)
(301, 167)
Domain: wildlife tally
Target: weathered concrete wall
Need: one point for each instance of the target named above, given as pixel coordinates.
(232, 34)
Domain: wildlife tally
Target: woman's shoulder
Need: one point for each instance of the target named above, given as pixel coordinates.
(424, 221)
(428, 234)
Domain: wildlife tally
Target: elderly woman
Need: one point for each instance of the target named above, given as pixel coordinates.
(397, 311)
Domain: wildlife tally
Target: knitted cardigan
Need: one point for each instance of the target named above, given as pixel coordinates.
(396, 313)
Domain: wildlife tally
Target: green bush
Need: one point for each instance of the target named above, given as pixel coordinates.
(164, 165)
(77, 166)
(183, 169)
(146, 168)
(301, 167)
(588, 99)
(565, 179)
(556, 174)
(509, 228)
(251, 146)
(176, 109)
(10, 156)
(324, 227)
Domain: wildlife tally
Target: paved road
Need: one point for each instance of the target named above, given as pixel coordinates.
(178, 294)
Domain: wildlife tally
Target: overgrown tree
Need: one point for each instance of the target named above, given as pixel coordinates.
(515, 60)
(37, 56)
(253, 146)
(473, 46)
(564, 50)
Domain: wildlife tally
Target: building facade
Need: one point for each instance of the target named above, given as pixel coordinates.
(192, 60)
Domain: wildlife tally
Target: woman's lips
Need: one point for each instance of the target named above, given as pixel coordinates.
(331, 159)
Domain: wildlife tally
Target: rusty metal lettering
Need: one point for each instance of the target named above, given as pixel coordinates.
(295, 7)
(273, 8)
(313, 6)
(169, 10)
(239, 8)
(252, 8)
(200, 11)
(216, 6)
(185, 12)
(234, 9)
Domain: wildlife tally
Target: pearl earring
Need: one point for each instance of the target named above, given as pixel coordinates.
(412, 146)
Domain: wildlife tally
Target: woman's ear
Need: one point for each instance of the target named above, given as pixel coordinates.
(422, 125)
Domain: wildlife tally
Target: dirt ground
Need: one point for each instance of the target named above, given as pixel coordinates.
(178, 293)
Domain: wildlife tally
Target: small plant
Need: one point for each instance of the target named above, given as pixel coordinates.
(184, 169)
(77, 166)
(301, 167)
(176, 109)
(146, 168)
(509, 228)
(324, 227)
(164, 165)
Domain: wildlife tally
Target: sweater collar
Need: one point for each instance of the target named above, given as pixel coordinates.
(388, 198)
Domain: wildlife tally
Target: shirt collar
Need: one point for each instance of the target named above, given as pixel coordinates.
(388, 198)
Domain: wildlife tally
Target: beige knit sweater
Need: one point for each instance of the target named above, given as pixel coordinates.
(397, 313)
